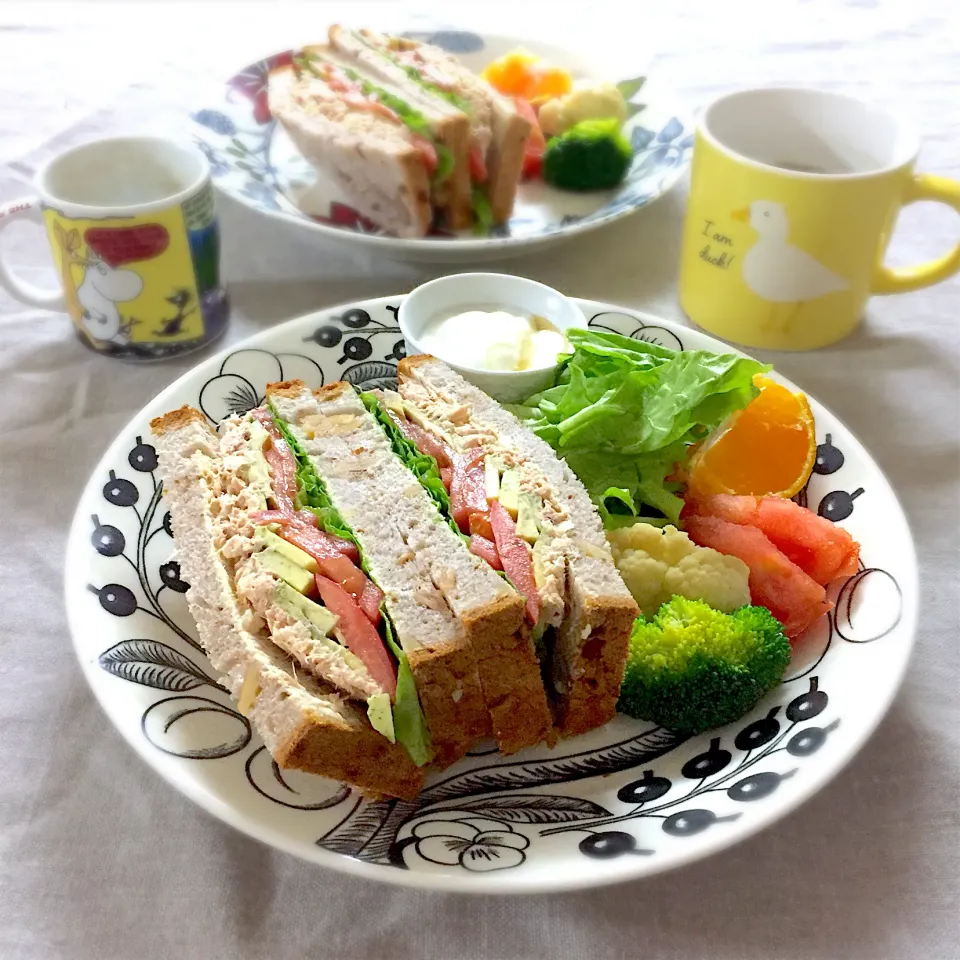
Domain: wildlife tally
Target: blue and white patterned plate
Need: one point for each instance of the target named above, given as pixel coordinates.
(625, 801)
(254, 161)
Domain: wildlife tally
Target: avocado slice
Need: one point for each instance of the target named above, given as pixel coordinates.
(288, 550)
(301, 580)
(299, 606)
(380, 713)
(539, 576)
(529, 512)
(492, 468)
(510, 492)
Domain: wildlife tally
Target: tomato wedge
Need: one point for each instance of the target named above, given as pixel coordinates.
(423, 440)
(280, 459)
(478, 166)
(370, 601)
(427, 151)
(359, 634)
(486, 550)
(536, 143)
(342, 571)
(515, 557)
(306, 536)
(468, 489)
(480, 525)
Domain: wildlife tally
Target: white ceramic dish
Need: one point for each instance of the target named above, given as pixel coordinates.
(626, 801)
(460, 292)
(254, 162)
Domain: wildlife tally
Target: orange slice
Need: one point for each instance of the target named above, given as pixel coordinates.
(767, 449)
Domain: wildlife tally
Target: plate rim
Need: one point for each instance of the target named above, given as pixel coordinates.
(464, 246)
(490, 883)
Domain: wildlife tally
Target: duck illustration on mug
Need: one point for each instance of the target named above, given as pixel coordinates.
(775, 269)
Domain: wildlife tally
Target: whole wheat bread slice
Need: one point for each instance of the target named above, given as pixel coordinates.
(590, 645)
(303, 725)
(382, 499)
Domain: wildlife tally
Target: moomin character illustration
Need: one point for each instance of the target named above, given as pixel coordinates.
(94, 300)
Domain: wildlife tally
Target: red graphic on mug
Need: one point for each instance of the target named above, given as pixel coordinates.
(119, 245)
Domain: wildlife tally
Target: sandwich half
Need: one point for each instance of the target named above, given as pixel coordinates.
(310, 681)
(391, 496)
(497, 131)
(526, 511)
(396, 161)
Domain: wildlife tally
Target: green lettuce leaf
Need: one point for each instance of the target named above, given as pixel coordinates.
(311, 492)
(424, 467)
(414, 74)
(409, 724)
(482, 211)
(624, 413)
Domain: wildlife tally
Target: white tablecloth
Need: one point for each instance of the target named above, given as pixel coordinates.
(99, 859)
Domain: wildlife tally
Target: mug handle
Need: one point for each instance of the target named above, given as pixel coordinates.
(26, 208)
(923, 186)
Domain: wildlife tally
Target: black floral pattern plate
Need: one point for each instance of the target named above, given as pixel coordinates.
(622, 802)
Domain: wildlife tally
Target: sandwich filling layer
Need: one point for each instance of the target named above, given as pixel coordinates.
(580, 608)
(298, 576)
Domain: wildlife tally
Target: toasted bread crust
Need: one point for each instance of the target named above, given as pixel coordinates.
(407, 365)
(285, 388)
(452, 198)
(510, 674)
(176, 420)
(597, 671)
(360, 756)
(452, 700)
(505, 164)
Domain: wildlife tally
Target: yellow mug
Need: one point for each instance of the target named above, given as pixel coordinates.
(794, 197)
(136, 246)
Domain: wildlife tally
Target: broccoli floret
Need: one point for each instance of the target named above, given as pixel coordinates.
(592, 155)
(691, 667)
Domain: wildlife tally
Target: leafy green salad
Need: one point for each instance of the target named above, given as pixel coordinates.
(624, 414)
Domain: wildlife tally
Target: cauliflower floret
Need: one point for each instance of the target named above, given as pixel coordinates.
(657, 564)
(588, 100)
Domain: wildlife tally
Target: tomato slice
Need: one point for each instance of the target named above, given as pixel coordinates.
(486, 550)
(515, 557)
(468, 489)
(359, 634)
(480, 525)
(446, 475)
(478, 166)
(427, 151)
(342, 571)
(423, 440)
(536, 143)
(366, 594)
(370, 601)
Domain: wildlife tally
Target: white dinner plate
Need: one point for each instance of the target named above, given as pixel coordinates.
(254, 161)
(624, 801)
